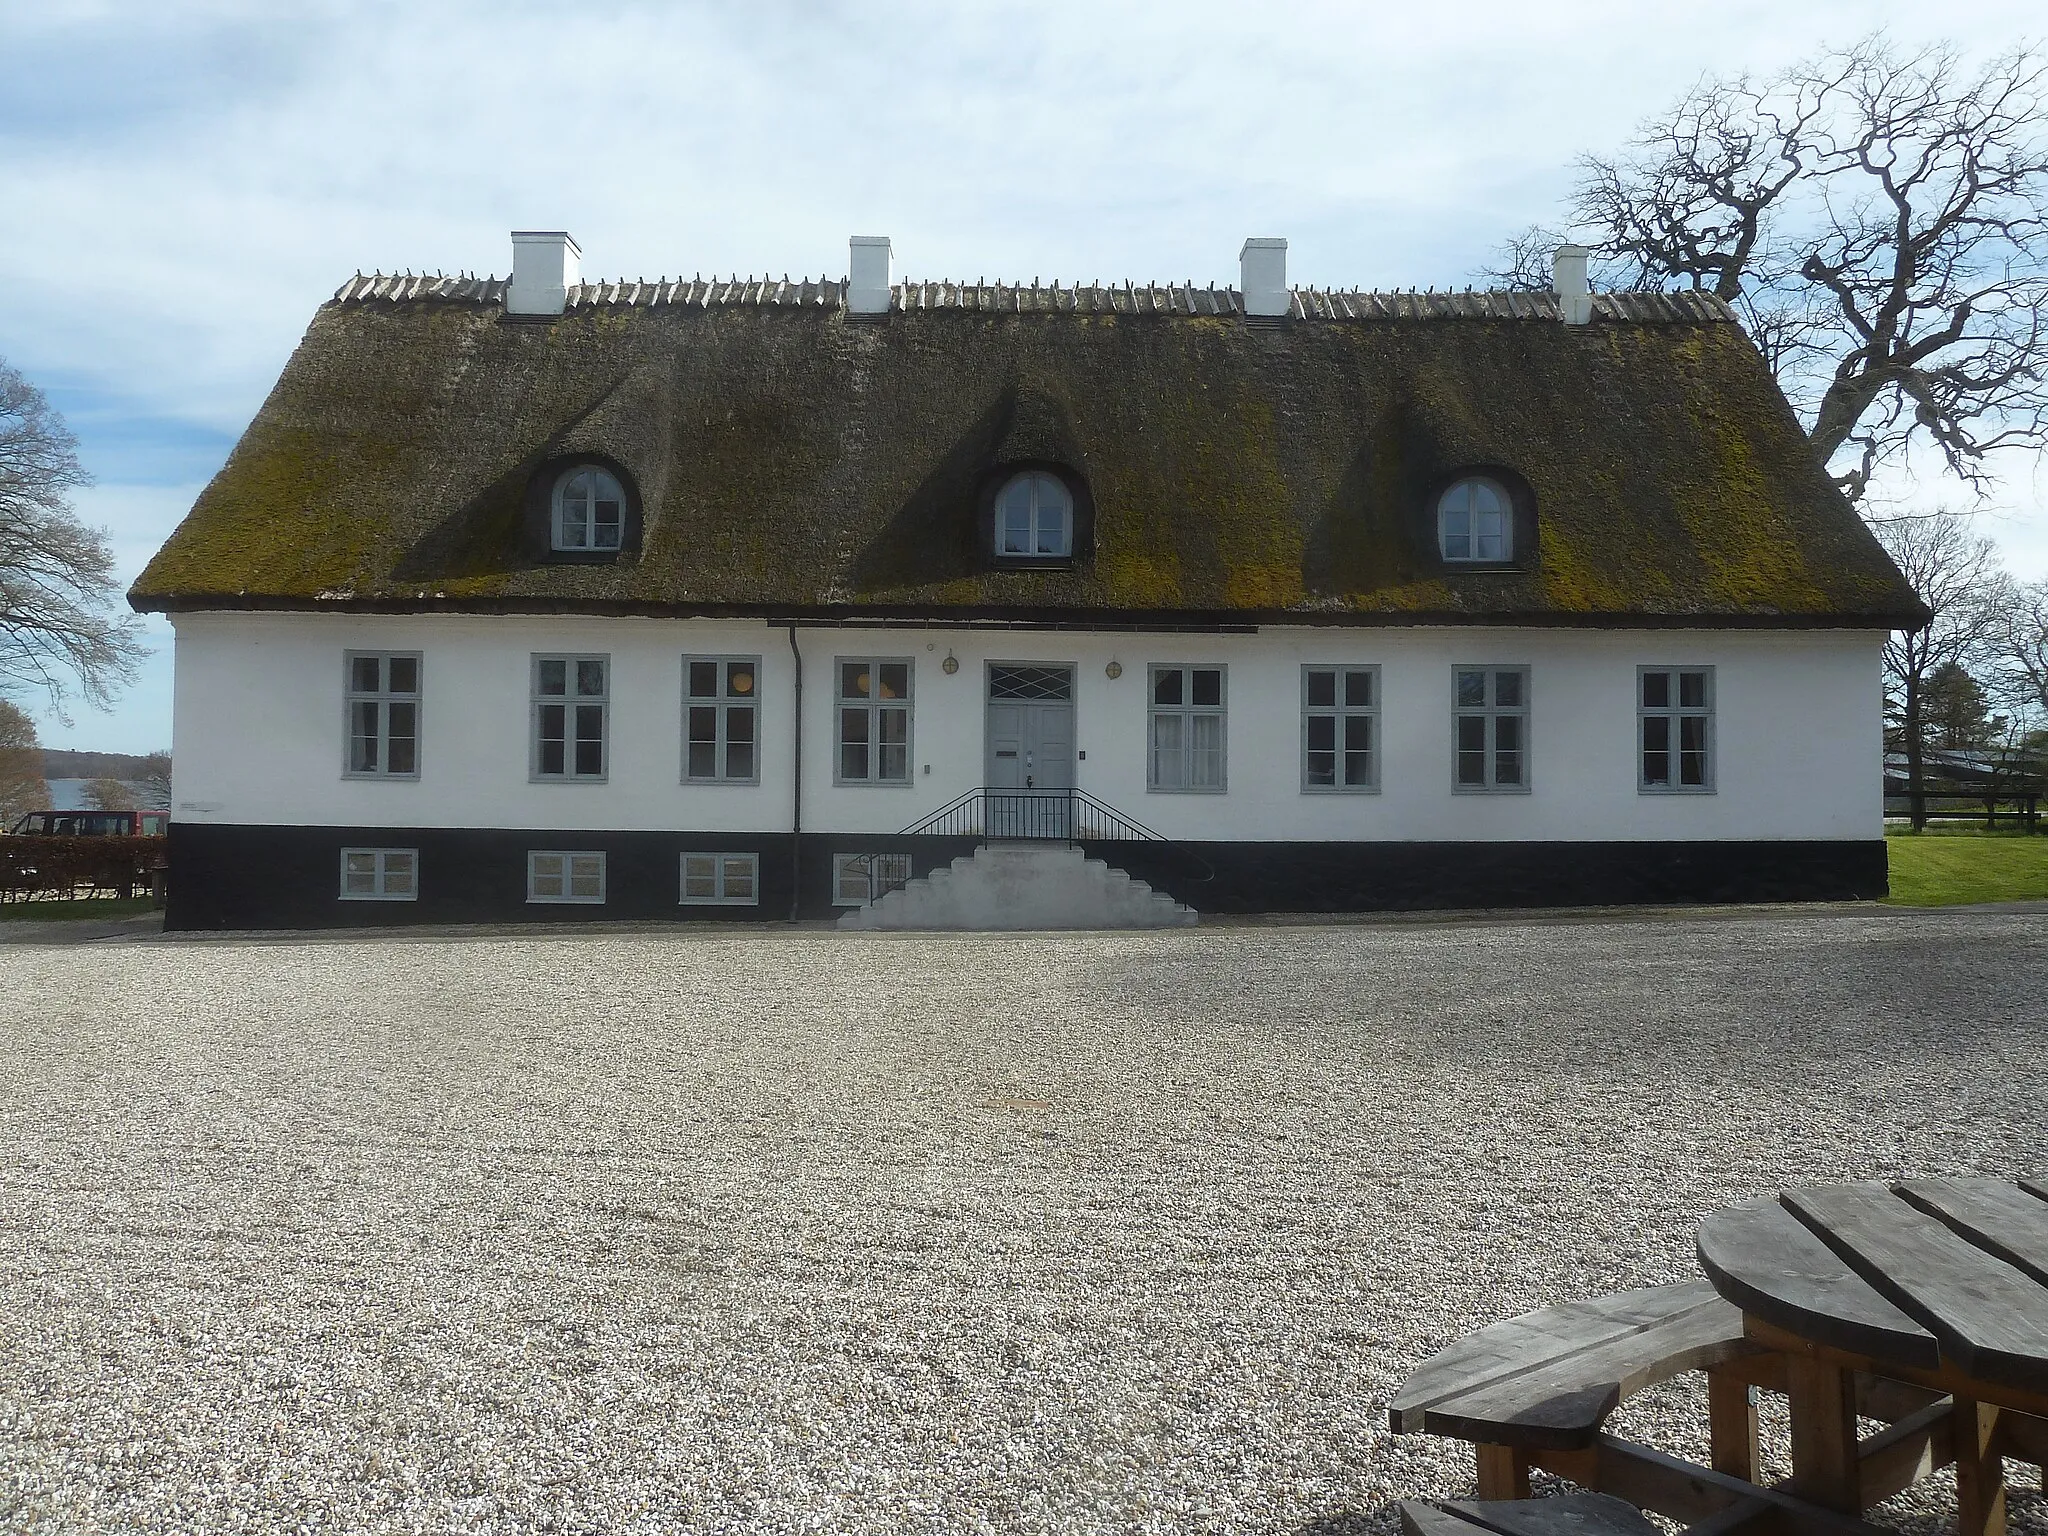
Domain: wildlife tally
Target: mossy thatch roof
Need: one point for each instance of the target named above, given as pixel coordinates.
(793, 460)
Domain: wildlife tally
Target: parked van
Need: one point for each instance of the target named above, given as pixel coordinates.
(94, 823)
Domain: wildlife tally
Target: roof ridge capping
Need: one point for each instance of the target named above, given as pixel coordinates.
(1632, 306)
(547, 281)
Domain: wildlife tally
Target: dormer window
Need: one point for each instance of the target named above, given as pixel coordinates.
(589, 512)
(1475, 522)
(1035, 518)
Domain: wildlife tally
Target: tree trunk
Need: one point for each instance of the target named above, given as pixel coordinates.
(1915, 788)
(1848, 397)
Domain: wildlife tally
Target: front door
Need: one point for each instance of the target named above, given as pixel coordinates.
(1030, 751)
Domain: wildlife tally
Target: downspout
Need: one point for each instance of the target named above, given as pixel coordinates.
(796, 791)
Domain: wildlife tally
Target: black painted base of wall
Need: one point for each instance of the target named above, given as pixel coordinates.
(289, 877)
(1393, 877)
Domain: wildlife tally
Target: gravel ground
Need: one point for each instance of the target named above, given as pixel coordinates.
(800, 1231)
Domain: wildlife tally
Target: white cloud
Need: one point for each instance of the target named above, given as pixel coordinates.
(186, 182)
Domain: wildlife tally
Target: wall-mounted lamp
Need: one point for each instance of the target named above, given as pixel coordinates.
(1113, 671)
(951, 664)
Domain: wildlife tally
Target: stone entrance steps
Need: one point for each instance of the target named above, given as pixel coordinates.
(1023, 885)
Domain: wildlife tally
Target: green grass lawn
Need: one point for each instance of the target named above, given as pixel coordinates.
(1942, 869)
(44, 911)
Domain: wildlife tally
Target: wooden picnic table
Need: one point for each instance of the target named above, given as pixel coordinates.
(1923, 1306)
(1932, 1286)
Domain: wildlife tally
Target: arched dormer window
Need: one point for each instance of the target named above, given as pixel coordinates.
(1475, 521)
(589, 512)
(1034, 518)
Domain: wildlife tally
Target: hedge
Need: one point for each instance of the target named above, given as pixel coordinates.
(40, 867)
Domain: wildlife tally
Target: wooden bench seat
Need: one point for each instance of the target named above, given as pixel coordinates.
(1547, 1380)
(1572, 1514)
(1535, 1390)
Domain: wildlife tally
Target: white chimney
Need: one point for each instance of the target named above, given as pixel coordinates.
(546, 264)
(1262, 272)
(867, 288)
(1568, 277)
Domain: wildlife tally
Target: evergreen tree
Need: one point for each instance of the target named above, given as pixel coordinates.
(1955, 710)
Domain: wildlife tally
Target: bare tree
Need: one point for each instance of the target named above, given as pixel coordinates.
(58, 621)
(153, 778)
(1958, 577)
(22, 787)
(1880, 222)
(2021, 637)
(108, 795)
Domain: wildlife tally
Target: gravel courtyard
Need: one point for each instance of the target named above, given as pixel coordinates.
(808, 1231)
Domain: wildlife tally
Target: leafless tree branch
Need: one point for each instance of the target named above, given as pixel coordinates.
(58, 623)
(1878, 219)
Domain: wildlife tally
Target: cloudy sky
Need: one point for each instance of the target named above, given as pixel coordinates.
(185, 183)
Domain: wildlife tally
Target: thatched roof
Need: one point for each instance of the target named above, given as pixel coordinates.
(793, 460)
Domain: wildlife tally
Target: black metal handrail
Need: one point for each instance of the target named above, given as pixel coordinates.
(1069, 815)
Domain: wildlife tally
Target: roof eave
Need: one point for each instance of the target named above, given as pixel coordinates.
(929, 615)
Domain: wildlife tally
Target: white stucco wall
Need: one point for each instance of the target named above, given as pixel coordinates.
(258, 732)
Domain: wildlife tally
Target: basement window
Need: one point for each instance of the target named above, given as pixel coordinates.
(589, 512)
(721, 879)
(380, 874)
(858, 878)
(565, 878)
(1475, 521)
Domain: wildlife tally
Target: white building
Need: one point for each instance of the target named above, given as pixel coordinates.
(695, 599)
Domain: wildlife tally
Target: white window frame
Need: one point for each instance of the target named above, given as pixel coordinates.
(569, 700)
(558, 531)
(1187, 712)
(843, 704)
(1674, 713)
(723, 706)
(566, 874)
(1465, 485)
(722, 869)
(1341, 712)
(881, 874)
(381, 699)
(1492, 713)
(1057, 507)
(380, 874)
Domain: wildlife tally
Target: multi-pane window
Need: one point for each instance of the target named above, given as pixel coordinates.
(858, 878)
(1676, 717)
(1340, 709)
(569, 710)
(1475, 521)
(589, 512)
(564, 877)
(719, 719)
(380, 874)
(383, 715)
(874, 721)
(1035, 517)
(1492, 706)
(721, 879)
(1186, 732)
